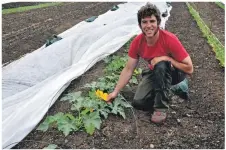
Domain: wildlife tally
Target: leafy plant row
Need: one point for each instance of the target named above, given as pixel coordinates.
(26, 8)
(220, 4)
(89, 108)
(218, 48)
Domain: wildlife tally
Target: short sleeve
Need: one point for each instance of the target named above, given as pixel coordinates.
(133, 50)
(176, 49)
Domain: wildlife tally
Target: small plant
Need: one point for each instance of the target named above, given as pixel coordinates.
(220, 4)
(117, 64)
(64, 122)
(87, 113)
(88, 109)
(26, 8)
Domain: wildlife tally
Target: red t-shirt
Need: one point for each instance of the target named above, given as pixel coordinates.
(167, 45)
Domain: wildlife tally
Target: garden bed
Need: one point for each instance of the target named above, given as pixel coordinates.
(199, 124)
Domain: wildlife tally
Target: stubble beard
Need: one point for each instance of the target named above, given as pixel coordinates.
(156, 31)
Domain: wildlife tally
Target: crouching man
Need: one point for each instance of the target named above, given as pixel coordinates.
(169, 63)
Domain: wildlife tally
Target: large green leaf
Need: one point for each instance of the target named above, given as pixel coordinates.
(92, 121)
(58, 116)
(78, 104)
(50, 119)
(92, 95)
(71, 97)
(90, 103)
(90, 128)
(43, 126)
(66, 126)
(118, 106)
(92, 85)
(115, 106)
(104, 113)
(121, 112)
(70, 116)
(85, 111)
(121, 100)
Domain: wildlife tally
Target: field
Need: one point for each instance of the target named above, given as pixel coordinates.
(199, 124)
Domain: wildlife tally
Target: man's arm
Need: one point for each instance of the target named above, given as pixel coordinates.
(185, 65)
(124, 77)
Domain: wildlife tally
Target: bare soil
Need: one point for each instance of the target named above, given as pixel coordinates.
(199, 124)
(27, 31)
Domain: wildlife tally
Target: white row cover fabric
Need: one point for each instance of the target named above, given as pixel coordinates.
(33, 83)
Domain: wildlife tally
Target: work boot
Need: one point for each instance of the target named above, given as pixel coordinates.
(159, 116)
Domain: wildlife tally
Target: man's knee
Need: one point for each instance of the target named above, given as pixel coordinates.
(162, 75)
(142, 104)
(162, 66)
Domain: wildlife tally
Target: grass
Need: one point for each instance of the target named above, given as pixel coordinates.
(221, 5)
(26, 8)
(218, 48)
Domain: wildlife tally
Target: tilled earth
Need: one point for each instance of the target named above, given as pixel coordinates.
(25, 32)
(199, 124)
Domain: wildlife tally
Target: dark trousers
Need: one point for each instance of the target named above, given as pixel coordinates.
(154, 89)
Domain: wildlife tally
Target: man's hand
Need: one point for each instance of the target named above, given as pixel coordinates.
(112, 96)
(156, 60)
(124, 78)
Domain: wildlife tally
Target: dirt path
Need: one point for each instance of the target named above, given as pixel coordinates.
(214, 17)
(206, 127)
(27, 31)
(198, 125)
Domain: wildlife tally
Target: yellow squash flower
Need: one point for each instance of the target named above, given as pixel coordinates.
(102, 95)
(105, 96)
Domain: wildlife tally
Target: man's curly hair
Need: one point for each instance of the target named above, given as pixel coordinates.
(147, 11)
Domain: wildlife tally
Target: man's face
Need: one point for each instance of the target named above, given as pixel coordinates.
(149, 26)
